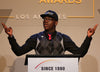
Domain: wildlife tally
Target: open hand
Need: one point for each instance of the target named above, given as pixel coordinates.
(7, 30)
(91, 31)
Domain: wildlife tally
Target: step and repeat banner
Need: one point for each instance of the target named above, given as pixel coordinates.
(75, 18)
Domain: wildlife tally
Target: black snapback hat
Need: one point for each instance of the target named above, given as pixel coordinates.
(50, 13)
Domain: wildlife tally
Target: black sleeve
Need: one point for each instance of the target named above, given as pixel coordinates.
(20, 50)
(73, 48)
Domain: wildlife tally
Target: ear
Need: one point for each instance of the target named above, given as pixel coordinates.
(56, 22)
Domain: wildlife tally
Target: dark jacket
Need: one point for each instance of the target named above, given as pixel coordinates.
(56, 46)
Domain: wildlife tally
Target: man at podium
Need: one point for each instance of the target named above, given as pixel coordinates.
(49, 41)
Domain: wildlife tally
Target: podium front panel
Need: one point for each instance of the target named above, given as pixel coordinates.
(52, 64)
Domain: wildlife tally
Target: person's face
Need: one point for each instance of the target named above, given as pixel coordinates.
(49, 23)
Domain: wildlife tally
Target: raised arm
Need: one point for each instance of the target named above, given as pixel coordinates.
(19, 50)
(83, 49)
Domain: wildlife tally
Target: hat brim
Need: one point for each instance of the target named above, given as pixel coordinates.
(44, 15)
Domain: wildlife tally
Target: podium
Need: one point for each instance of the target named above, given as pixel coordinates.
(66, 63)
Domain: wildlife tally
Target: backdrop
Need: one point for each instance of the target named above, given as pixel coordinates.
(75, 17)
